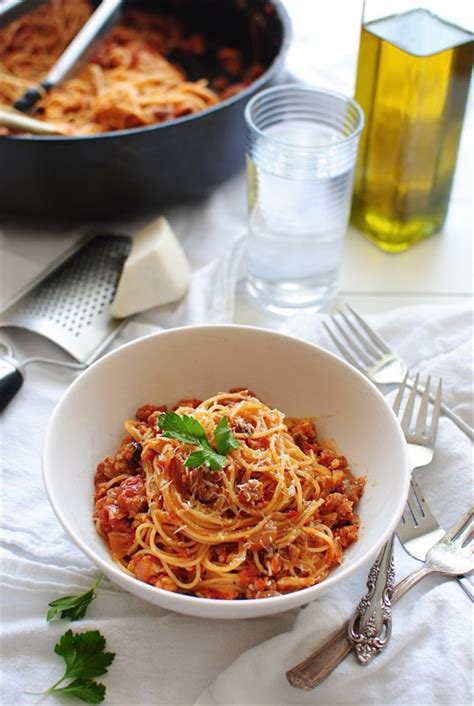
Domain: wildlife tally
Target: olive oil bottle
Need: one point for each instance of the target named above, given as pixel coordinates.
(412, 83)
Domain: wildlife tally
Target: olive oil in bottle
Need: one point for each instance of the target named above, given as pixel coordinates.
(412, 83)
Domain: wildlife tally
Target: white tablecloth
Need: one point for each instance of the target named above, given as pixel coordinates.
(163, 658)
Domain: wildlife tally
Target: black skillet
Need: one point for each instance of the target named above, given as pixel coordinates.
(138, 171)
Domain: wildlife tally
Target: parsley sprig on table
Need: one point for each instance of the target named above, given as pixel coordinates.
(189, 431)
(73, 607)
(85, 658)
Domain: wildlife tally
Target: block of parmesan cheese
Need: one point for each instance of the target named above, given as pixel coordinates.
(155, 272)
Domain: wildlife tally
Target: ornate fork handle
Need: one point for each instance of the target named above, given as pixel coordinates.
(315, 668)
(371, 624)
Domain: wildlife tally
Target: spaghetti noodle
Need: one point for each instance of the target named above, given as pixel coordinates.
(276, 518)
(134, 78)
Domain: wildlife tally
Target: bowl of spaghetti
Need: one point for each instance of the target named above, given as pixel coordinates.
(225, 471)
(151, 116)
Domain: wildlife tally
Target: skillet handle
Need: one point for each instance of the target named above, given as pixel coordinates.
(11, 380)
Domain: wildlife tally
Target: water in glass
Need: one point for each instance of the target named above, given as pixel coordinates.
(298, 215)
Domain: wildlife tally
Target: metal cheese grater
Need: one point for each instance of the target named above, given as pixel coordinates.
(69, 302)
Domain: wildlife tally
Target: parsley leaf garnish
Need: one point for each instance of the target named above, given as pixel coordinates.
(85, 689)
(73, 607)
(189, 431)
(85, 658)
(182, 427)
(224, 439)
(84, 654)
(206, 457)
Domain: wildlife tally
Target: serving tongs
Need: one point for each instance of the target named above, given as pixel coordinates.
(97, 23)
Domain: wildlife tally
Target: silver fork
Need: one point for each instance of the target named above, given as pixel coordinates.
(367, 352)
(371, 624)
(418, 530)
(450, 556)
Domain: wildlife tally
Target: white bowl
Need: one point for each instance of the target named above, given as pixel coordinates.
(298, 378)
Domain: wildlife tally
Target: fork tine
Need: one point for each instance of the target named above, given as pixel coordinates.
(465, 535)
(436, 412)
(376, 339)
(363, 340)
(459, 525)
(399, 397)
(416, 503)
(423, 411)
(405, 423)
(362, 355)
(409, 516)
(345, 352)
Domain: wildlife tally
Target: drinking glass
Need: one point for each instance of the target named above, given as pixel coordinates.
(414, 69)
(302, 146)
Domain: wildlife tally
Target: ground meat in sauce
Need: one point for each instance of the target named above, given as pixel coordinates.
(200, 483)
(252, 493)
(144, 412)
(303, 432)
(191, 402)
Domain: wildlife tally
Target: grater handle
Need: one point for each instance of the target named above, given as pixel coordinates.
(11, 380)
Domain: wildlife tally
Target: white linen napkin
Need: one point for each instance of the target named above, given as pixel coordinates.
(40, 563)
(428, 660)
(166, 658)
